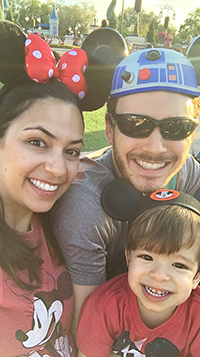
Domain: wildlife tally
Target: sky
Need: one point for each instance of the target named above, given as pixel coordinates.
(181, 7)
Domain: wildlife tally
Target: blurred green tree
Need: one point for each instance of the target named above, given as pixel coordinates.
(191, 25)
(151, 34)
(111, 17)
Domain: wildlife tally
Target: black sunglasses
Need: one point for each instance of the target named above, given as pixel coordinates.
(141, 126)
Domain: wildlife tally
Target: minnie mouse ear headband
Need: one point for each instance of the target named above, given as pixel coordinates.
(153, 70)
(123, 202)
(32, 56)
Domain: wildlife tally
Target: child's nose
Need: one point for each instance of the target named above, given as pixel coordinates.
(160, 272)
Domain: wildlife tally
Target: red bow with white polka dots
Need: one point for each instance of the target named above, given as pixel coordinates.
(40, 65)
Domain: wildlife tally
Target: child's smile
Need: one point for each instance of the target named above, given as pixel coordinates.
(162, 282)
(155, 293)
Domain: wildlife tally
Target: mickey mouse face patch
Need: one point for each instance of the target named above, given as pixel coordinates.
(164, 195)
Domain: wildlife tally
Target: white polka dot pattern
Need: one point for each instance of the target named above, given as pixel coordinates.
(81, 95)
(51, 72)
(37, 54)
(76, 78)
(73, 53)
(64, 65)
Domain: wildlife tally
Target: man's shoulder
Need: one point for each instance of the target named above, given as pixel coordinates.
(191, 162)
(189, 176)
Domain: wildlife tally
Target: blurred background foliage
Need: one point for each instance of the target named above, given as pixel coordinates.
(149, 23)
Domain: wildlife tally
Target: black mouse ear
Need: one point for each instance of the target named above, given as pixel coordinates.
(197, 194)
(98, 78)
(12, 54)
(118, 198)
(193, 54)
(105, 48)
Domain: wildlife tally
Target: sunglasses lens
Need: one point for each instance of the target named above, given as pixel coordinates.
(177, 129)
(138, 126)
(134, 126)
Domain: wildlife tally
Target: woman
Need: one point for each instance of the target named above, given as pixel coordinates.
(41, 136)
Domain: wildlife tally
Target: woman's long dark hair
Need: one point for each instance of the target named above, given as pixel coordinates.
(15, 254)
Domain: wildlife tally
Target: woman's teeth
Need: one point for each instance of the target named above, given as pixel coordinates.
(44, 186)
(148, 165)
(155, 292)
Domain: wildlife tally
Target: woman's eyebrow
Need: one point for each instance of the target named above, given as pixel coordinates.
(41, 129)
(50, 134)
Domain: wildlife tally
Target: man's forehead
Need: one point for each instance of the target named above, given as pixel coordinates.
(153, 102)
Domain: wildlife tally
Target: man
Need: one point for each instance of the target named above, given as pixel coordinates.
(152, 114)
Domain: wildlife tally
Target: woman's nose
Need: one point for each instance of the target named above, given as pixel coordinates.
(56, 165)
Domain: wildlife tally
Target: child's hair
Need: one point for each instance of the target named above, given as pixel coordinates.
(165, 230)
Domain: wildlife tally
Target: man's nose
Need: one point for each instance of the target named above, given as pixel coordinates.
(154, 144)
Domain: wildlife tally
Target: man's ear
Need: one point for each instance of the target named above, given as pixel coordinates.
(196, 280)
(109, 129)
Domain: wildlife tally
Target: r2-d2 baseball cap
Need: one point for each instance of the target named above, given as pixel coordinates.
(154, 70)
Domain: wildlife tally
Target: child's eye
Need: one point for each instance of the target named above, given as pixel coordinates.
(179, 266)
(145, 257)
(37, 142)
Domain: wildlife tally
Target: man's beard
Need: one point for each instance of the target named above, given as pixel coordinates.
(150, 185)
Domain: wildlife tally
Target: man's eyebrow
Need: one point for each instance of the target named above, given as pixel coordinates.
(50, 134)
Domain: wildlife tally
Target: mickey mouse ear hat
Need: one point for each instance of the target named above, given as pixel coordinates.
(123, 202)
(112, 73)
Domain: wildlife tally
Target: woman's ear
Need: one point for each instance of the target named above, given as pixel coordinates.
(196, 280)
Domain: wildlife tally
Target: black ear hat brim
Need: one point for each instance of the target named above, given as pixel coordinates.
(183, 200)
(123, 202)
(118, 199)
(12, 54)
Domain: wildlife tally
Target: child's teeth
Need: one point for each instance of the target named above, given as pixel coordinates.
(155, 292)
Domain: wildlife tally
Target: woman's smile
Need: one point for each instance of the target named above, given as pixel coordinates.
(44, 186)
